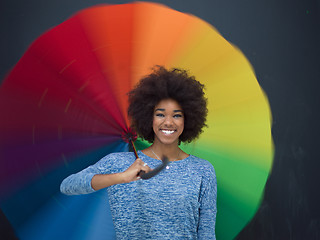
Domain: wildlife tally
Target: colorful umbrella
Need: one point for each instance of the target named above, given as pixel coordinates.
(63, 107)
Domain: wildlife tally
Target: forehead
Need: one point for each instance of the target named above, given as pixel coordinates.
(168, 104)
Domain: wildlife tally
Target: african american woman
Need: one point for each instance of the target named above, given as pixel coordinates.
(166, 108)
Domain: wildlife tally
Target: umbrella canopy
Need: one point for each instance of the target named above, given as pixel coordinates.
(63, 107)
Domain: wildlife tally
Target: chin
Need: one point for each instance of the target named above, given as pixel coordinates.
(167, 141)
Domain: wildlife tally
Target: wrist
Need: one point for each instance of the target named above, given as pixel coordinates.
(121, 177)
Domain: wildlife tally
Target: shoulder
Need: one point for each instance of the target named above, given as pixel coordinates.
(208, 176)
(200, 163)
(118, 155)
(204, 167)
(119, 158)
(115, 162)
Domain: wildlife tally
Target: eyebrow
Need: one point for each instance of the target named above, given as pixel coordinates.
(162, 109)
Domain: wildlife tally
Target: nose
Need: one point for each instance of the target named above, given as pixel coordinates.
(168, 121)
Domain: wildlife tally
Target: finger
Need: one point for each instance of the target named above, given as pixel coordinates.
(139, 162)
(146, 168)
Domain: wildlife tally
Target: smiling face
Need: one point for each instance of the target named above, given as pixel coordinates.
(168, 122)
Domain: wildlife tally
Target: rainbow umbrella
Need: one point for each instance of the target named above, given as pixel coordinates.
(63, 107)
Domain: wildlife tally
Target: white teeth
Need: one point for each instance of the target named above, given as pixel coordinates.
(167, 131)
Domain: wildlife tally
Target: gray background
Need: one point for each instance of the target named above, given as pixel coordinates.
(281, 40)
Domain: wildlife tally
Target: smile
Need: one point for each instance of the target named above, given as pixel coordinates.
(167, 132)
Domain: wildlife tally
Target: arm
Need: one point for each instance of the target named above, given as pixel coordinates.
(93, 178)
(100, 181)
(208, 207)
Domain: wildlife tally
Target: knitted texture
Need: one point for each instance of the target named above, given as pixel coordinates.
(178, 203)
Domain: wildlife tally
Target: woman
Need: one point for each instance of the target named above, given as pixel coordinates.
(167, 107)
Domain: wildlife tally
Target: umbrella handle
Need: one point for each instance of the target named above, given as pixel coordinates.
(136, 154)
(134, 148)
(141, 173)
(155, 171)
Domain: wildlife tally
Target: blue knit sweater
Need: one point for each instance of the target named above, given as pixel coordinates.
(178, 203)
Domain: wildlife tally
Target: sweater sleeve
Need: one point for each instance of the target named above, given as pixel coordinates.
(80, 183)
(208, 207)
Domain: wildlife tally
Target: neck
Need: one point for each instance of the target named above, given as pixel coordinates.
(172, 151)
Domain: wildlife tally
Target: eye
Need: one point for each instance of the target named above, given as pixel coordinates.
(177, 116)
(159, 115)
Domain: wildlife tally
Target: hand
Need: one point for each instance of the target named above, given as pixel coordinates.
(132, 173)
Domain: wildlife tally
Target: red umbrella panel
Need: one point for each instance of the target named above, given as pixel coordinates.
(63, 107)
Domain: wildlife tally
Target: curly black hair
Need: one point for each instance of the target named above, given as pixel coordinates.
(173, 84)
